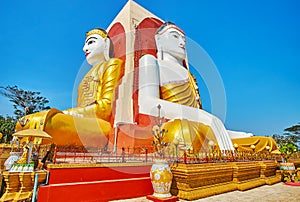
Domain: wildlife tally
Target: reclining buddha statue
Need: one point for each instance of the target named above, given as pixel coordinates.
(89, 123)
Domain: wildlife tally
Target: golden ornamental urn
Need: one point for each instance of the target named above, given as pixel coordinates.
(161, 178)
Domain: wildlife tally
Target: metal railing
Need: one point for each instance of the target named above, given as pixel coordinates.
(144, 154)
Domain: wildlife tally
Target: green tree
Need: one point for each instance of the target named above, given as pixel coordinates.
(284, 139)
(24, 101)
(293, 133)
(7, 128)
(294, 129)
(290, 138)
(287, 150)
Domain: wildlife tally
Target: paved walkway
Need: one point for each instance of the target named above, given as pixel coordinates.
(274, 193)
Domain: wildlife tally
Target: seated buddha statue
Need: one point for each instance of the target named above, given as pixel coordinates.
(88, 124)
(167, 81)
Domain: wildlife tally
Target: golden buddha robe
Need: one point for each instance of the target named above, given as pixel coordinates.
(192, 136)
(198, 135)
(89, 123)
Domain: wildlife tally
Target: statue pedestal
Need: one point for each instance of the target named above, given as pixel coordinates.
(195, 181)
(92, 182)
(19, 185)
(12, 185)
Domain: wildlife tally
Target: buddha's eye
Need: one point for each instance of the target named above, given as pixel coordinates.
(175, 36)
(90, 42)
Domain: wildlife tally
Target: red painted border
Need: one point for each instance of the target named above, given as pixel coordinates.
(96, 183)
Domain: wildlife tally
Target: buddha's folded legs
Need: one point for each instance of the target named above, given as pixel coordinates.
(70, 130)
(194, 136)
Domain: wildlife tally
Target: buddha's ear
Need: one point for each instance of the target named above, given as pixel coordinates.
(159, 50)
(106, 48)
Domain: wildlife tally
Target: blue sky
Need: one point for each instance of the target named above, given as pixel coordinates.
(255, 46)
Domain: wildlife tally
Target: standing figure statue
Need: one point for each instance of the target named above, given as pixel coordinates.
(89, 124)
(166, 80)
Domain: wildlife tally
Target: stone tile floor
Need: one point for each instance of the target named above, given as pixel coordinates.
(267, 193)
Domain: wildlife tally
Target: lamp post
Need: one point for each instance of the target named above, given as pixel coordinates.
(236, 146)
(266, 152)
(176, 142)
(159, 134)
(211, 145)
(253, 148)
(253, 151)
(160, 173)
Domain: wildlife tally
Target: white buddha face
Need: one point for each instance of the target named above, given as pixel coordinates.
(94, 48)
(172, 42)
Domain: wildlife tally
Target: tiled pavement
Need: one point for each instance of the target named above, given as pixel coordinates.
(274, 193)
